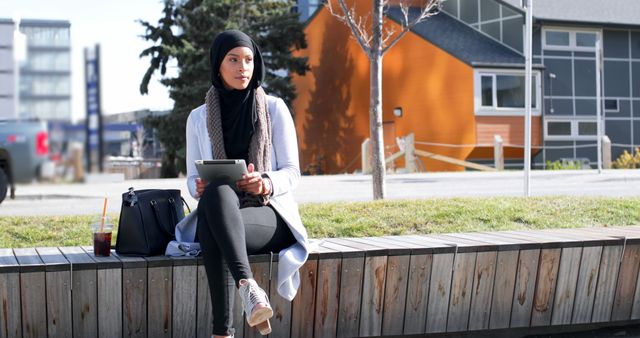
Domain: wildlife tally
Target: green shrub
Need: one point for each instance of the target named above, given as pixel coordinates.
(563, 165)
(627, 161)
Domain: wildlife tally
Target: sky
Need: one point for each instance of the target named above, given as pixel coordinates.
(113, 25)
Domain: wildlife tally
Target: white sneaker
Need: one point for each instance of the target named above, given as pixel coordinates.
(255, 301)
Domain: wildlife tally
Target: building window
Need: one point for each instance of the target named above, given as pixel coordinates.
(570, 130)
(611, 105)
(566, 39)
(502, 92)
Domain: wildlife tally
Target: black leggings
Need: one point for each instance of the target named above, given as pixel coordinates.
(227, 234)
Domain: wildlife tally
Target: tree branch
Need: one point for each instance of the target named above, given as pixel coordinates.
(431, 8)
(358, 29)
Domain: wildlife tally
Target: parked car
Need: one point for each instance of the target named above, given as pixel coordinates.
(24, 146)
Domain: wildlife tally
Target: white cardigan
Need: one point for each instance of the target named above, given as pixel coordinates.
(284, 175)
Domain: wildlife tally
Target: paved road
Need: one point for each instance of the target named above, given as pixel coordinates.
(68, 199)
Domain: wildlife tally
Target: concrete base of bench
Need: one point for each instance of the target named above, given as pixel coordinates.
(493, 284)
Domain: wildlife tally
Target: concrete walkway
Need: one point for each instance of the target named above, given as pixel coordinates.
(69, 199)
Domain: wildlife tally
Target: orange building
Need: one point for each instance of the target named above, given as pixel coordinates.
(454, 85)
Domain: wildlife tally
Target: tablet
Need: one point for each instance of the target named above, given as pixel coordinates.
(225, 171)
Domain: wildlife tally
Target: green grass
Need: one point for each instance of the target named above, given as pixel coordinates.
(380, 218)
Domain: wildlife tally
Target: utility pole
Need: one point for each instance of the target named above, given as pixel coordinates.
(527, 96)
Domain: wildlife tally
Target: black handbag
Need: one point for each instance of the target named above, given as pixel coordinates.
(147, 221)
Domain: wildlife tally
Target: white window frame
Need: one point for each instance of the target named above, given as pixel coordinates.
(572, 38)
(574, 130)
(481, 110)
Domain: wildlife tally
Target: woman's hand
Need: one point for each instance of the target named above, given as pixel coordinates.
(252, 182)
(200, 185)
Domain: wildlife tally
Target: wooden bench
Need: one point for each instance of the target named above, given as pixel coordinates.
(563, 279)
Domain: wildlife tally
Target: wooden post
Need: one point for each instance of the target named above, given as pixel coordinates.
(409, 153)
(498, 152)
(366, 157)
(606, 152)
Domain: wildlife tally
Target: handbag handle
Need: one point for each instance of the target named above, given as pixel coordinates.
(154, 206)
(185, 203)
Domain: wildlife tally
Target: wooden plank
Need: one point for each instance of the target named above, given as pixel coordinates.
(461, 289)
(566, 286)
(261, 275)
(524, 288)
(635, 309)
(545, 287)
(606, 286)
(452, 160)
(586, 288)
(327, 298)
(436, 246)
(204, 319)
(505, 280)
(303, 305)
(58, 290)
(395, 294)
(626, 285)
(238, 316)
(160, 300)
(482, 290)
(109, 284)
(10, 317)
(373, 285)
(32, 293)
(439, 289)
(84, 296)
(134, 296)
(417, 293)
(185, 288)
(350, 292)
(281, 321)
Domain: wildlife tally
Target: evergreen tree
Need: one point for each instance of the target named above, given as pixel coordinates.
(184, 34)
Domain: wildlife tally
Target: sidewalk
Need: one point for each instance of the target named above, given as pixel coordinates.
(67, 199)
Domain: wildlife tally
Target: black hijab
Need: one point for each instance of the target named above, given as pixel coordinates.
(238, 107)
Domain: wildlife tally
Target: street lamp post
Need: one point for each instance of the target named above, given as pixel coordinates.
(527, 4)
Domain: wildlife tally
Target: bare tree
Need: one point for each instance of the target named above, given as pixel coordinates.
(375, 43)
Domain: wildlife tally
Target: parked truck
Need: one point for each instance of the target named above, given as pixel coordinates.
(24, 147)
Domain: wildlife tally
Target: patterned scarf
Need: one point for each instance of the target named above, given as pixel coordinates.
(259, 147)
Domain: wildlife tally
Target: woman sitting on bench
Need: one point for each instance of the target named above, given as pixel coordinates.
(259, 214)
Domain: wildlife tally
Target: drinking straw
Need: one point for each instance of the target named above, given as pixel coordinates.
(104, 214)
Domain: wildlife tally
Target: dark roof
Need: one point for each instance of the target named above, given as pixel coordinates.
(460, 40)
(616, 12)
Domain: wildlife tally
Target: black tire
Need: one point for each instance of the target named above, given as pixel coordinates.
(4, 183)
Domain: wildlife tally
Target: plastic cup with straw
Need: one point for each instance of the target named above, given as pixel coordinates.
(102, 234)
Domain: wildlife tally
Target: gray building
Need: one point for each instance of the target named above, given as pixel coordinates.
(45, 75)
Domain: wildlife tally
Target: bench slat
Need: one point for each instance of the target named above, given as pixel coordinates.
(58, 285)
(134, 296)
(482, 291)
(417, 293)
(303, 305)
(439, 289)
(545, 287)
(606, 285)
(587, 279)
(281, 321)
(627, 280)
(395, 294)
(204, 319)
(460, 298)
(327, 298)
(185, 287)
(32, 293)
(84, 295)
(350, 292)
(524, 287)
(10, 321)
(373, 286)
(505, 281)
(566, 285)
(160, 307)
(109, 284)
